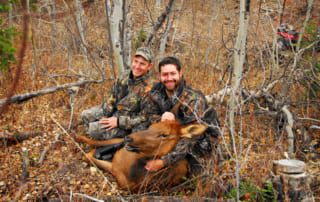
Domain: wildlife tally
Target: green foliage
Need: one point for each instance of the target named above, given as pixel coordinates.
(267, 193)
(310, 34)
(7, 49)
(317, 66)
(311, 77)
(251, 192)
(7, 35)
(138, 41)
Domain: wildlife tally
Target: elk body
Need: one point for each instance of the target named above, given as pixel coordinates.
(128, 163)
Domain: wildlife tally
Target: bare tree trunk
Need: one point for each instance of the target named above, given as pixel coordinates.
(214, 10)
(51, 9)
(10, 16)
(127, 35)
(34, 65)
(158, 4)
(115, 15)
(176, 27)
(79, 15)
(282, 11)
(239, 59)
(164, 38)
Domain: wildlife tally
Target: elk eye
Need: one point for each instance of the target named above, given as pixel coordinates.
(163, 135)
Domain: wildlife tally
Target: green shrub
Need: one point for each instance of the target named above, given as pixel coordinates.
(251, 192)
(7, 34)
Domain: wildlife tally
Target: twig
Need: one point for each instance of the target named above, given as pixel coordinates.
(78, 146)
(45, 151)
(314, 127)
(72, 93)
(86, 196)
(309, 119)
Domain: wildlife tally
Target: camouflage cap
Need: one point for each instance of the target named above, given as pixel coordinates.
(145, 52)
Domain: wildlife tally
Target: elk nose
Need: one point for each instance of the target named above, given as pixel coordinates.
(127, 139)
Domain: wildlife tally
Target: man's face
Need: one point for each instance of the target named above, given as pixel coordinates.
(140, 66)
(170, 77)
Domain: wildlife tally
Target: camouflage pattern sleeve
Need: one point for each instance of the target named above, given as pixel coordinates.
(149, 113)
(197, 109)
(193, 109)
(151, 109)
(179, 152)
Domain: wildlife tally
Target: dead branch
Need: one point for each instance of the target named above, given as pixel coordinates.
(247, 94)
(45, 151)
(24, 97)
(160, 21)
(25, 163)
(289, 126)
(10, 139)
(87, 197)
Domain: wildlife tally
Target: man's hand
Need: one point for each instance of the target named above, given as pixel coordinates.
(168, 116)
(109, 123)
(154, 165)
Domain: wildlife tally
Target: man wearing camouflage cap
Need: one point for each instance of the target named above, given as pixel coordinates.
(122, 113)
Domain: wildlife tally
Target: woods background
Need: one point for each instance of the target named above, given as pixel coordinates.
(60, 57)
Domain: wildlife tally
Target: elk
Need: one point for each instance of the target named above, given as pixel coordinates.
(128, 163)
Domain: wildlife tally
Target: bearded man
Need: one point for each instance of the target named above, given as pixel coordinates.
(174, 100)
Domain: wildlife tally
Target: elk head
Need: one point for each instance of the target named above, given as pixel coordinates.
(162, 137)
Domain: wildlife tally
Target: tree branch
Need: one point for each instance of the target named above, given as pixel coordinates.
(24, 97)
(160, 21)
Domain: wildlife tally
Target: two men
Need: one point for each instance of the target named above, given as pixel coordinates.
(170, 99)
(123, 113)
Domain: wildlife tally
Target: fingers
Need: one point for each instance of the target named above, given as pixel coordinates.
(108, 123)
(104, 121)
(167, 116)
(148, 166)
(108, 127)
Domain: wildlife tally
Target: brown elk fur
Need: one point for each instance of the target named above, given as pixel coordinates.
(128, 166)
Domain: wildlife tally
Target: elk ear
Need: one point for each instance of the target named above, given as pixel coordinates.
(192, 130)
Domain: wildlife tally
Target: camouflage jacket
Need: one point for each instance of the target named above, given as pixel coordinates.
(193, 108)
(127, 100)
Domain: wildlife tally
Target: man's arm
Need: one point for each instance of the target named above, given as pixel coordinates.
(149, 113)
(178, 153)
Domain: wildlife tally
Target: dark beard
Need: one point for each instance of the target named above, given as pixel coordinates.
(177, 83)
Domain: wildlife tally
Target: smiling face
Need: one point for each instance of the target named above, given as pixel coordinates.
(140, 66)
(170, 77)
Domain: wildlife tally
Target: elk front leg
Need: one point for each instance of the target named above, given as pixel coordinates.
(104, 165)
